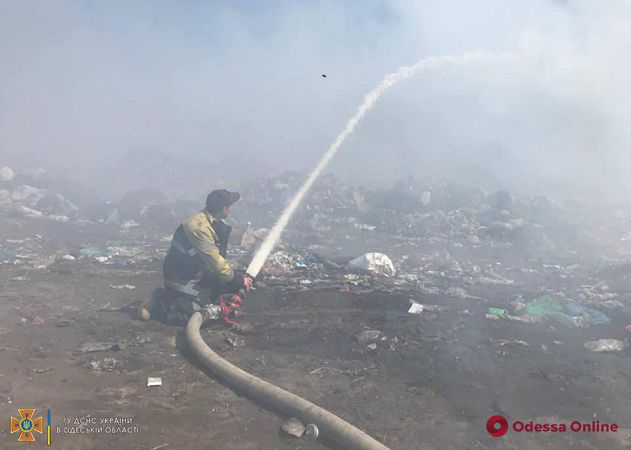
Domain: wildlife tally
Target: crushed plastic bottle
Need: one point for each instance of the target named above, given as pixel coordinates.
(312, 432)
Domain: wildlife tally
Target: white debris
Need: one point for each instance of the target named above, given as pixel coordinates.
(30, 212)
(311, 431)
(59, 218)
(376, 263)
(368, 336)
(606, 345)
(6, 174)
(294, 427)
(28, 194)
(364, 226)
(122, 286)
(416, 308)
(129, 224)
(154, 381)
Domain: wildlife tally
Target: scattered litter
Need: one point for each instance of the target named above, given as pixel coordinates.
(160, 446)
(571, 321)
(242, 327)
(59, 218)
(415, 308)
(544, 348)
(372, 346)
(570, 314)
(38, 321)
(90, 252)
(418, 308)
(129, 224)
(170, 341)
(504, 342)
(62, 323)
(312, 432)
(368, 336)
(543, 306)
(234, 340)
(104, 365)
(122, 286)
(376, 263)
(67, 258)
(38, 371)
(154, 381)
(606, 345)
(595, 317)
(495, 280)
(457, 293)
(92, 347)
(143, 339)
(293, 427)
(496, 313)
(30, 212)
(364, 226)
(144, 314)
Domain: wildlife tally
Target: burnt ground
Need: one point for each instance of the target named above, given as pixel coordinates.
(431, 382)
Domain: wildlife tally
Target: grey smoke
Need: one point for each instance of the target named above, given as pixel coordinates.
(236, 87)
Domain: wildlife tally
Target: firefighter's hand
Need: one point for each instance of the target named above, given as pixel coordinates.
(247, 282)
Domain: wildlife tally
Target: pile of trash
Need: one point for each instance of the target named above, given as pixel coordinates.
(29, 194)
(283, 263)
(35, 194)
(429, 235)
(432, 212)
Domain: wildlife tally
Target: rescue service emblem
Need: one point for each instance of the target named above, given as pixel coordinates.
(26, 425)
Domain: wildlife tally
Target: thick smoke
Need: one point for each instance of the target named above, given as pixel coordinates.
(188, 95)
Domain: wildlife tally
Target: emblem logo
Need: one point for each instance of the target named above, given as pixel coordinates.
(26, 425)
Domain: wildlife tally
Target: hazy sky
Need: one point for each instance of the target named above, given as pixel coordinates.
(238, 84)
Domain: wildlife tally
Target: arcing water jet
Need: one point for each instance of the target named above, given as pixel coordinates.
(369, 101)
(342, 433)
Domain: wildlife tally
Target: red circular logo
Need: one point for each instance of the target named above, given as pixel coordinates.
(497, 426)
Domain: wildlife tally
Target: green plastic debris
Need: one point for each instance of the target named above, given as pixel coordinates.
(498, 312)
(543, 306)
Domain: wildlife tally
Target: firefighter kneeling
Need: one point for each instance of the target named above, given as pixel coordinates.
(197, 276)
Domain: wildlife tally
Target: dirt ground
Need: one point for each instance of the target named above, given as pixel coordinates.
(431, 382)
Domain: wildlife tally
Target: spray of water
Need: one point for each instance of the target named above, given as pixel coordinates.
(369, 100)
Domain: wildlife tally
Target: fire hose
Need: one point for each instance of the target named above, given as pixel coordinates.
(335, 429)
